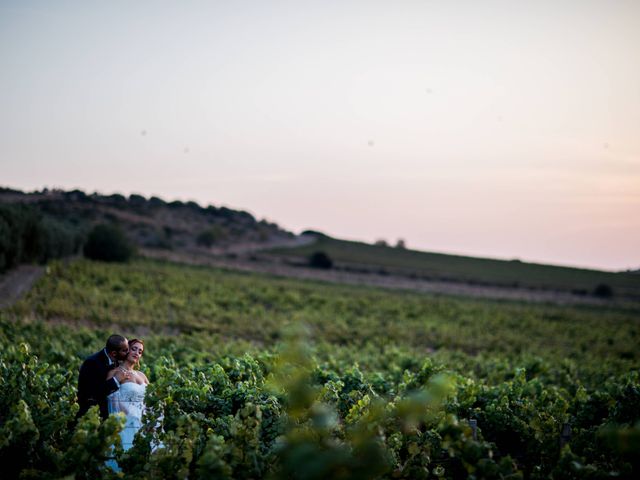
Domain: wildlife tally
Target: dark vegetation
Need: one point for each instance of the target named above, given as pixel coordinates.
(603, 290)
(259, 377)
(38, 226)
(212, 236)
(108, 243)
(320, 260)
(27, 236)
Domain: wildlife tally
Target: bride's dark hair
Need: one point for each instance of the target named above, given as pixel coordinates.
(136, 340)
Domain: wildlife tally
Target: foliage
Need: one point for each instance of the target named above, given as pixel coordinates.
(168, 298)
(108, 243)
(26, 236)
(148, 222)
(284, 413)
(211, 236)
(320, 260)
(239, 389)
(603, 290)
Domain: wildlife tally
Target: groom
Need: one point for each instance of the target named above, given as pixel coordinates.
(93, 386)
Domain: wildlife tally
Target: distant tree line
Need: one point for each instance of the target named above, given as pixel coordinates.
(135, 201)
(26, 236)
(204, 226)
(142, 204)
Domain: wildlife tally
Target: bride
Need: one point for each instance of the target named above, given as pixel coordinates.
(129, 398)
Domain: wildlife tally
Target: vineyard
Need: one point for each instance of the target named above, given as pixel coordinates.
(254, 376)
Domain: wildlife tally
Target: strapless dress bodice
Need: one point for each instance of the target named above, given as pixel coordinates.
(128, 399)
(132, 392)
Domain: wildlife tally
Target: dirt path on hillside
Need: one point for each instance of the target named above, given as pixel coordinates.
(17, 282)
(260, 264)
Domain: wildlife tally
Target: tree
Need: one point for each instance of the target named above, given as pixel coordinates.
(603, 291)
(22, 235)
(156, 202)
(315, 233)
(212, 236)
(137, 200)
(320, 260)
(27, 236)
(108, 243)
(117, 199)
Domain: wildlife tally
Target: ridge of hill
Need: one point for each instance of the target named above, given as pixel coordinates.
(153, 222)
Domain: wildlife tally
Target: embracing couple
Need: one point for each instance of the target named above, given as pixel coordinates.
(110, 379)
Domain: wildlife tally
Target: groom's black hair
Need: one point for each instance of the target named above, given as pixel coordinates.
(114, 342)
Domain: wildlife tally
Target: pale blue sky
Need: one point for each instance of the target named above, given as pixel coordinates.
(505, 129)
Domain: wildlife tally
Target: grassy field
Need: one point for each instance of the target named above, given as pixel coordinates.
(466, 269)
(255, 376)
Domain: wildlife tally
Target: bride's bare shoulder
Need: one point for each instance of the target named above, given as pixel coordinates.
(144, 377)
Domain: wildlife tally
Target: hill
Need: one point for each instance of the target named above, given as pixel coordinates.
(186, 232)
(436, 267)
(152, 222)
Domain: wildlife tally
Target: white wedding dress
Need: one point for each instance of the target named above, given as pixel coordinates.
(129, 399)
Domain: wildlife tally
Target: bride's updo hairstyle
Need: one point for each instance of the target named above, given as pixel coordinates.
(133, 341)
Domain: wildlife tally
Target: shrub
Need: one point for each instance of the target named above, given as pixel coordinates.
(136, 200)
(211, 236)
(320, 260)
(108, 243)
(315, 232)
(60, 240)
(193, 206)
(603, 291)
(5, 245)
(14, 224)
(159, 238)
(117, 199)
(226, 212)
(76, 196)
(28, 236)
(156, 202)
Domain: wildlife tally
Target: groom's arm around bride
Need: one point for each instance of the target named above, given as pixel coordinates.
(93, 386)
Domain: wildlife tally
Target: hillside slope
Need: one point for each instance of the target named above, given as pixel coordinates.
(357, 257)
(153, 222)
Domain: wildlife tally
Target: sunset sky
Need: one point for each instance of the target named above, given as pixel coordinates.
(507, 129)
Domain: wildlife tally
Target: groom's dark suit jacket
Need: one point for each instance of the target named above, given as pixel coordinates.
(93, 386)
